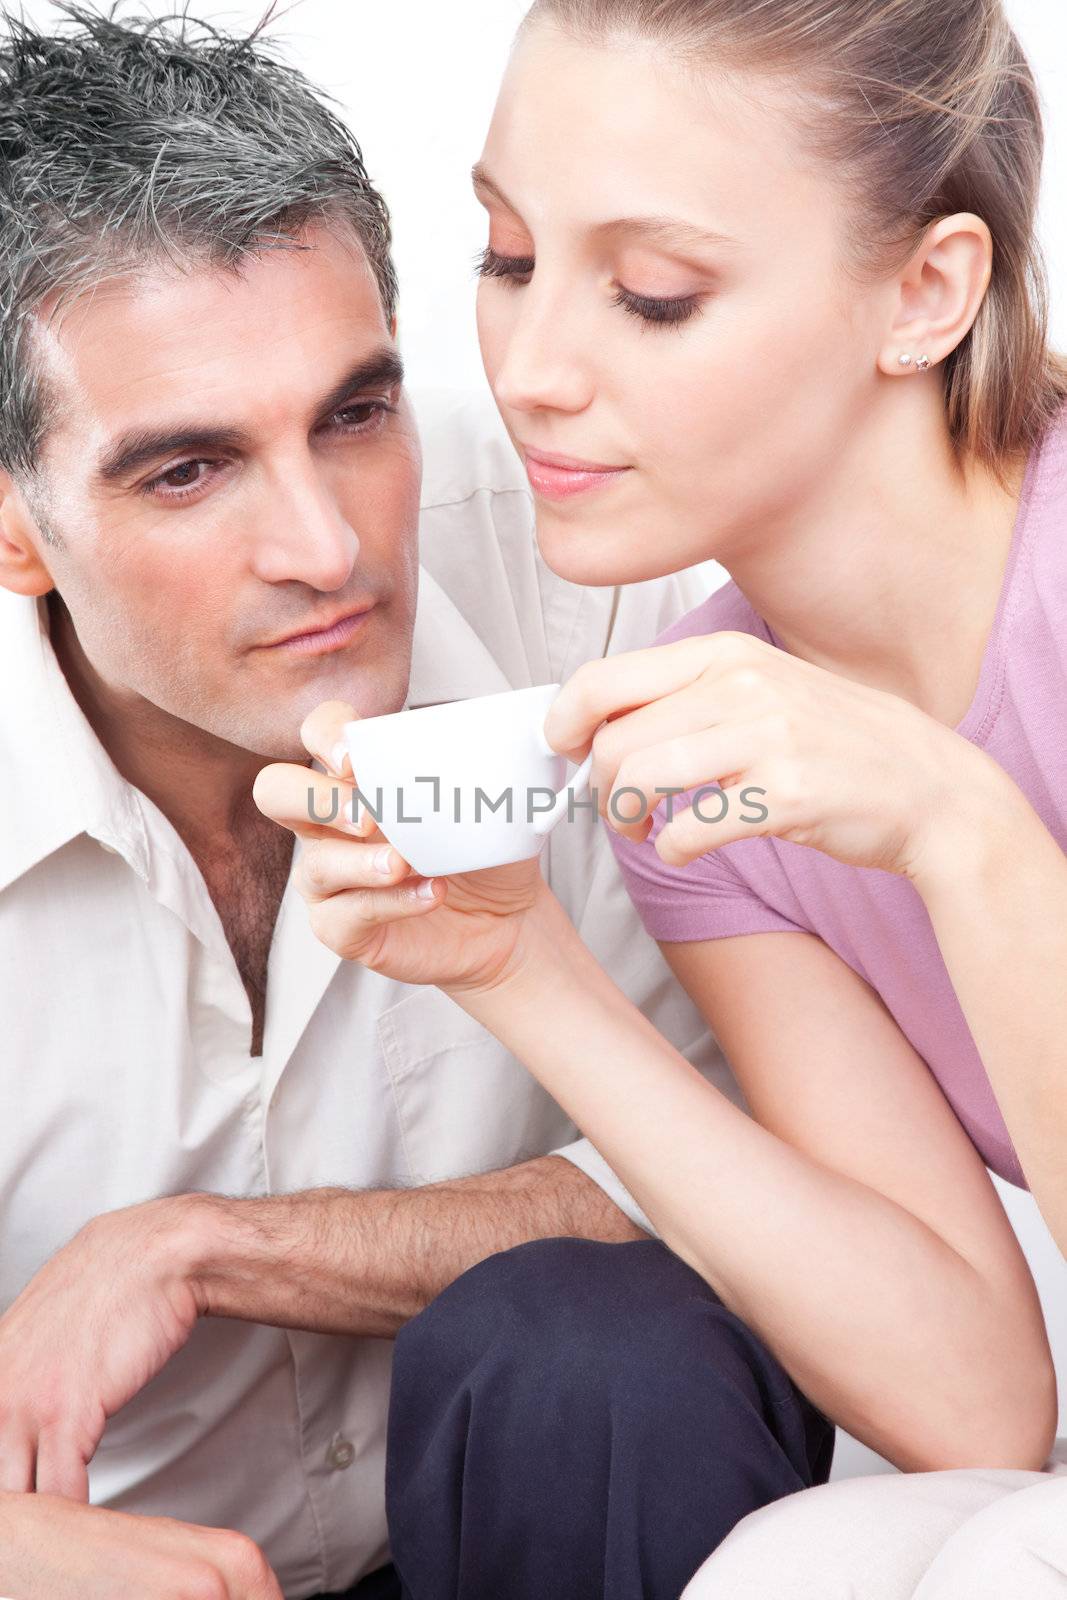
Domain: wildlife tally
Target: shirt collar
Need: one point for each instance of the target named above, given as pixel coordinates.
(59, 781)
(448, 659)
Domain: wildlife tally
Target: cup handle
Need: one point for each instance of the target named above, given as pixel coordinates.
(545, 821)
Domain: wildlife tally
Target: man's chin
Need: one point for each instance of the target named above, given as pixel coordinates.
(276, 737)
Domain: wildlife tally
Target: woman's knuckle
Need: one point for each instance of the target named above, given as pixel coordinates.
(584, 686)
(607, 747)
(364, 905)
(243, 1556)
(316, 866)
(202, 1580)
(626, 769)
(745, 680)
(630, 777)
(731, 647)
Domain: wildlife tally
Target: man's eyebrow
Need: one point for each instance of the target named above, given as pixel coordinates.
(382, 370)
(668, 232)
(141, 446)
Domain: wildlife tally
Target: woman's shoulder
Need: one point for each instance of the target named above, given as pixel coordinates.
(724, 611)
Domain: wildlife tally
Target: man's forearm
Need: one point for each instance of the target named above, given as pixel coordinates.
(365, 1262)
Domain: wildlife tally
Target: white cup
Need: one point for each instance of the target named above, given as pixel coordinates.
(467, 785)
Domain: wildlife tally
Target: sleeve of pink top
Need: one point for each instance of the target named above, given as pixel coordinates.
(707, 899)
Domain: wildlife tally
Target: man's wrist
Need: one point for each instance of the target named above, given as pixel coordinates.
(198, 1236)
(276, 1259)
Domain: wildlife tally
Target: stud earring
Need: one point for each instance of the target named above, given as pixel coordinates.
(905, 359)
(923, 364)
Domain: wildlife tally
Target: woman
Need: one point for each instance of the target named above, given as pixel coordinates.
(761, 285)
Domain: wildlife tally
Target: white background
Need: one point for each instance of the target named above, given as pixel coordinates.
(417, 80)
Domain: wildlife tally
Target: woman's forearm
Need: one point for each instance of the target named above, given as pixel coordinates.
(995, 887)
(875, 1316)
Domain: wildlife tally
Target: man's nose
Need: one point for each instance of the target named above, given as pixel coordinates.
(546, 362)
(304, 536)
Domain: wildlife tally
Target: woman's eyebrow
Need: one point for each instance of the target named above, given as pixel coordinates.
(484, 184)
(667, 232)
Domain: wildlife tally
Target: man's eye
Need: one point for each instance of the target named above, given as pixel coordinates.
(180, 480)
(515, 269)
(361, 415)
(183, 477)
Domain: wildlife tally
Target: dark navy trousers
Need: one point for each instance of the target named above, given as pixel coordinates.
(581, 1421)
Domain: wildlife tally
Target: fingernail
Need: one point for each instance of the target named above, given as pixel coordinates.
(338, 756)
(426, 890)
(382, 859)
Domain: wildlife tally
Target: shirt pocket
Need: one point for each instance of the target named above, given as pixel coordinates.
(464, 1104)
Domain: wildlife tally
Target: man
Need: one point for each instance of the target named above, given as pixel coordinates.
(209, 520)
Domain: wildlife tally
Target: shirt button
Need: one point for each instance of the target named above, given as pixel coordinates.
(341, 1454)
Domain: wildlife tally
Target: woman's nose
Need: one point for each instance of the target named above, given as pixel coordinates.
(544, 364)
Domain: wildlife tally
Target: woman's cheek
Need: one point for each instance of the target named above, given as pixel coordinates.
(492, 321)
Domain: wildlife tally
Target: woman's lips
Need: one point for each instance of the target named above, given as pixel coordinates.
(563, 477)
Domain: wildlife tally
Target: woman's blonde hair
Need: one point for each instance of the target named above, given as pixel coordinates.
(929, 107)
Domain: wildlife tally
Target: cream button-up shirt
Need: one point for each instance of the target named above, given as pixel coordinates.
(126, 1071)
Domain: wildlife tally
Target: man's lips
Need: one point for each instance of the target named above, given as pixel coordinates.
(562, 477)
(331, 636)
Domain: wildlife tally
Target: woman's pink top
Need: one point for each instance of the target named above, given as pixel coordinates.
(875, 920)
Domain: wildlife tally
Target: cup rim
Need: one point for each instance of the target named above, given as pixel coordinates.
(444, 706)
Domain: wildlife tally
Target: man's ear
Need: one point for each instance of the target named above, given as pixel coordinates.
(22, 569)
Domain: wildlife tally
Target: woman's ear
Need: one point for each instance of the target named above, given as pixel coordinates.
(22, 569)
(941, 290)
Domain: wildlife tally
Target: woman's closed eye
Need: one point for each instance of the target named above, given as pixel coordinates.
(658, 310)
(516, 269)
(664, 312)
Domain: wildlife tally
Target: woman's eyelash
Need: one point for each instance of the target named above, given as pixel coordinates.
(491, 265)
(664, 313)
(650, 309)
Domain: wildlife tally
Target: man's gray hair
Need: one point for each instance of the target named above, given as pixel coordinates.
(128, 140)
